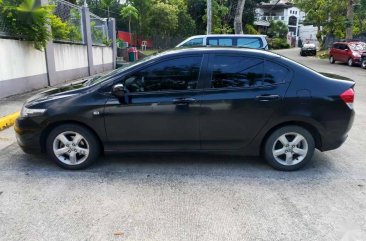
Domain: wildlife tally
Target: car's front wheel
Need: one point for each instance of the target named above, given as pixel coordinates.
(331, 60)
(72, 146)
(363, 64)
(289, 148)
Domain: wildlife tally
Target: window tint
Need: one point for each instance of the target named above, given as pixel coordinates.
(194, 42)
(236, 71)
(220, 41)
(274, 73)
(249, 42)
(175, 74)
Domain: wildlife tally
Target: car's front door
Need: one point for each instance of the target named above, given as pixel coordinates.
(162, 109)
(241, 95)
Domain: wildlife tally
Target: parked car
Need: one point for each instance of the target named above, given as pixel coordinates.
(308, 49)
(347, 52)
(227, 40)
(196, 99)
(363, 60)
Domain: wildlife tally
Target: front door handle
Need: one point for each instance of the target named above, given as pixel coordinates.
(184, 101)
(267, 97)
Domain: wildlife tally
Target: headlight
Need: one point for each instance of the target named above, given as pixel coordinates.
(27, 112)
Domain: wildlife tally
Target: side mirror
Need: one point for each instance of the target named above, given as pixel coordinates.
(119, 90)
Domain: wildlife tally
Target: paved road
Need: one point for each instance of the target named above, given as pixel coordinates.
(191, 197)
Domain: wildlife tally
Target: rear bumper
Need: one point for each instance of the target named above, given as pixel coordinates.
(28, 134)
(332, 143)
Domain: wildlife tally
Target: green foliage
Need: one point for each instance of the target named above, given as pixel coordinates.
(249, 29)
(164, 19)
(64, 30)
(278, 29)
(220, 17)
(28, 21)
(328, 16)
(129, 12)
(278, 43)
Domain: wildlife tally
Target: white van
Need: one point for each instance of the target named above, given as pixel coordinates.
(229, 40)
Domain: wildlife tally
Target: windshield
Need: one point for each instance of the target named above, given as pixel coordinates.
(101, 78)
(358, 46)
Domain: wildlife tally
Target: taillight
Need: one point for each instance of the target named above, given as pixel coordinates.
(348, 97)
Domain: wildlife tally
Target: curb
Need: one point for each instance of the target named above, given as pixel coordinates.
(8, 120)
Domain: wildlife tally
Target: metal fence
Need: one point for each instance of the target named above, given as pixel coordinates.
(99, 30)
(67, 22)
(330, 39)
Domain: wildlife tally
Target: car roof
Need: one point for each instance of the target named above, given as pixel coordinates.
(228, 35)
(223, 50)
(348, 42)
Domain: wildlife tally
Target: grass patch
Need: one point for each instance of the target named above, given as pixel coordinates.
(323, 54)
(149, 52)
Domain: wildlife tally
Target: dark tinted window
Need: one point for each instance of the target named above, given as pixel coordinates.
(236, 71)
(249, 42)
(175, 74)
(220, 42)
(194, 42)
(274, 73)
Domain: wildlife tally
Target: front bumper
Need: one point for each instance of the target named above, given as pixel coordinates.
(28, 134)
(309, 51)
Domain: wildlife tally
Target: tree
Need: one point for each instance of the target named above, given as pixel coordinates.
(129, 12)
(327, 15)
(28, 20)
(278, 29)
(238, 21)
(163, 19)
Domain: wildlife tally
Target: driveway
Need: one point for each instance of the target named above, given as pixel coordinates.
(191, 196)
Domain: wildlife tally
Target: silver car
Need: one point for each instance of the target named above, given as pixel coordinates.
(227, 40)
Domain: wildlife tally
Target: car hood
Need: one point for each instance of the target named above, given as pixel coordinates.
(64, 91)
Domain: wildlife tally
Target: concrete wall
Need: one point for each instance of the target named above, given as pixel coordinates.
(22, 68)
(71, 62)
(102, 58)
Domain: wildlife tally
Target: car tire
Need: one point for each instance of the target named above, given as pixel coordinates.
(289, 148)
(68, 153)
(350, 62)
(331, 60)
(363, 64)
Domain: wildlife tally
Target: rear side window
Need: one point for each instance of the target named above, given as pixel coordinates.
(236, 71)
(249, 42)
(194, 42)
(220, 42)
(274, 73)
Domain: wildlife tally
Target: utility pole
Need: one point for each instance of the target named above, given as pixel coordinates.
(349, 26)
(209, 16)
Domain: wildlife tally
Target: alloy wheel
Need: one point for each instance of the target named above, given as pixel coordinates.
(71, 148)
(363, 64)
(290, 149)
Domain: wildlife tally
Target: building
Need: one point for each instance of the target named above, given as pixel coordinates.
(279, 11)
(288, 13)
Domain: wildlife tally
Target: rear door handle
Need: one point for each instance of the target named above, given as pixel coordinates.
(184, 101)
(267, 97)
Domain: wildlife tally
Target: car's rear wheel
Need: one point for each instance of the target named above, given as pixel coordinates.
(363, 64)
(350, 62)
(72, 146)
(289, 148)
(331, 60)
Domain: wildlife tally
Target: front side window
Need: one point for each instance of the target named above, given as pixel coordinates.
(236, 71)
(175, 74)
(249, 42)
(194, 42)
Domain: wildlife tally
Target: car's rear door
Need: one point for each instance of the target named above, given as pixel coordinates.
(162, 109)
(242, 92)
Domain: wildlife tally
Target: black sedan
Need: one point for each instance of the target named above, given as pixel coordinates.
(206, 99)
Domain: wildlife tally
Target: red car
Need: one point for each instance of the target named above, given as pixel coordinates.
(347, 52)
